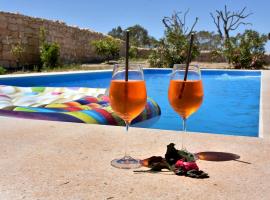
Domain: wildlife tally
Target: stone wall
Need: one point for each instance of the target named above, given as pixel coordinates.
(74, 42)
(207, 57)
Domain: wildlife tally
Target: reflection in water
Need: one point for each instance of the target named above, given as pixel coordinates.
(218, 156)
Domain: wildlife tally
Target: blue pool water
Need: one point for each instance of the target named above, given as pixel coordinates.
(230, 106)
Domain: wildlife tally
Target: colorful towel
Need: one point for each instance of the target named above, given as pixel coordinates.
(67, 107)
(39, 96)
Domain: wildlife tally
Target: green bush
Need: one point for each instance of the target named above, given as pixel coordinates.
(49, 52)
(18, 51)
(246, 50)
(215, 55)
(133, 52)
(157, 57)
(107, 47)
(49, 55)
(171, 50)
(2, 70)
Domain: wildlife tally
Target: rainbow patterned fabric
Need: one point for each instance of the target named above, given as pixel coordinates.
(81, 105)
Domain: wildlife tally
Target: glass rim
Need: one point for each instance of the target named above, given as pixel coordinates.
(181, 68)
(184, 65)
(130, 65)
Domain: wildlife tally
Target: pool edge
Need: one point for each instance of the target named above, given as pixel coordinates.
(262, 100)
(264, 123)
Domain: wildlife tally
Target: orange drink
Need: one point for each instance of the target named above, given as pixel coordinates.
(185, 96)
(128, 98)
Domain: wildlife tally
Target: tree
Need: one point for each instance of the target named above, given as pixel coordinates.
(139, 36)
(247, 50)
(227, 21)
(208, 41)
(49, 52)
(177, 25)
(108, 47)
(173, 48)
(117, 32)
(18, 51)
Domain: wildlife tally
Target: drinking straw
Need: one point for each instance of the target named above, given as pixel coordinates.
(189, 55)
(127, 54)
(187, 64)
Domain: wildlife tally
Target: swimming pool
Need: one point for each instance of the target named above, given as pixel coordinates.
(230, 106)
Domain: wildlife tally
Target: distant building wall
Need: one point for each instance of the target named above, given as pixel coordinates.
(74, 42)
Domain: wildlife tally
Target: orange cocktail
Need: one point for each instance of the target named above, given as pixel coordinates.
(128, 98)
(185, 96)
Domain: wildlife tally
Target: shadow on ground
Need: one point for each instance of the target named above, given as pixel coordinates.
(219, 156)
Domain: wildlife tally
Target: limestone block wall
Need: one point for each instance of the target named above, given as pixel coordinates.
(74, 42)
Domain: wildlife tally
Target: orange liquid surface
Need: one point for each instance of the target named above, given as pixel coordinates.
(127, 99)
(189, 100)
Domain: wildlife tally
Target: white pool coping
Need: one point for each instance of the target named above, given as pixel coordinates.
(107, 70)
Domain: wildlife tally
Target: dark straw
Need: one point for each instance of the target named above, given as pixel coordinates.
(187, 64)
(189, 55)
(127, 53)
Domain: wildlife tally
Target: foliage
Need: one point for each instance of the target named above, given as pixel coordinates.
(157, 57)
(17, 50)
(133, 52)
(108, 47)
(180, 162)
(215, 55)
(139, 36)
(208, 41)
(246, 50)
(2, 70)
(173, 48)
(117, 32)
(49, 52)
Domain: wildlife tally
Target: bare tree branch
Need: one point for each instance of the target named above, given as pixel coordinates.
(165, 20)
(229, 21)
(191, 30)
(217, 23)
(239, 25)
(185, 15)
(176, 23)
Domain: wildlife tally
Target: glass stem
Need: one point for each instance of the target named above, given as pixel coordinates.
(184, 132)
(126, 135)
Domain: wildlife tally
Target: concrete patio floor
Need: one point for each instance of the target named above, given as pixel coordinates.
(53, 160)
(56, 160)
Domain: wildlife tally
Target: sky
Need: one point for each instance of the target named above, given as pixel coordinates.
(103, 15)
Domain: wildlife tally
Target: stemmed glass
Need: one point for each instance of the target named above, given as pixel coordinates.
(185, 97)
(128, 99)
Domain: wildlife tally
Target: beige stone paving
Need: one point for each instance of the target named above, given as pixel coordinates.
(52, 160)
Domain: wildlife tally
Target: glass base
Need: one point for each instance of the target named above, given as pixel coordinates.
(126, 162)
